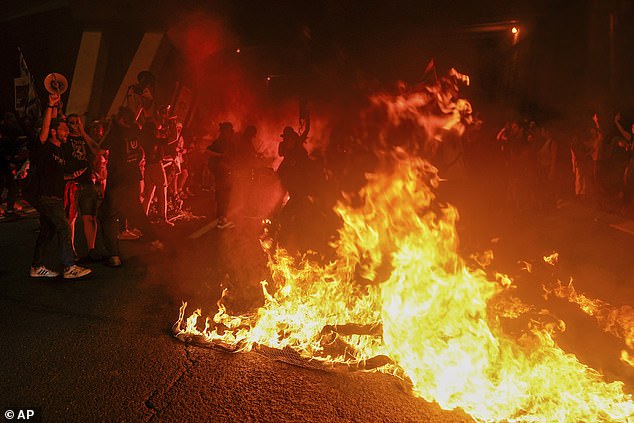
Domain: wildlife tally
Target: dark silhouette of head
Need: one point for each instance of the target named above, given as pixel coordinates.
(289, 134)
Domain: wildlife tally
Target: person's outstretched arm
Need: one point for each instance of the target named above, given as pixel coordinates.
(49, 114)
(624, 133)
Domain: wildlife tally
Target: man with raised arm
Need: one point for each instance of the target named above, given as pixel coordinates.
(49, 179)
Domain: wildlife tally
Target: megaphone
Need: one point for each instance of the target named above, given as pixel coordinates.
(55, 83)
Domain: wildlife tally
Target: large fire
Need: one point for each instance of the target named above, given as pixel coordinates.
(396, 296)
(398, 279)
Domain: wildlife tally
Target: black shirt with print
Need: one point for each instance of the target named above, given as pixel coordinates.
(50, 170)
(124, 157)
(76, 155)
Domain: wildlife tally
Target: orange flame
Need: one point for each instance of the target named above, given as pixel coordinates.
(396, 268)
(617, 321)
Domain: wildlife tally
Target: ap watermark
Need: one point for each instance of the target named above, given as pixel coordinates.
(22, 415)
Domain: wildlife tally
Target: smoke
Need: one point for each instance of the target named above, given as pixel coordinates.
(199, 36)
(232, 83)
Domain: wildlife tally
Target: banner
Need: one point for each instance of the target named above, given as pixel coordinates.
(183, 102)
(27, 102)
(21, 87)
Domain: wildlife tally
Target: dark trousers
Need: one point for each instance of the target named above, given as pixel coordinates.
(53, 222)
(8, 181)
(120, 201)
(223, 193)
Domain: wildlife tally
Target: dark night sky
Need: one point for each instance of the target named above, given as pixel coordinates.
(561, 58)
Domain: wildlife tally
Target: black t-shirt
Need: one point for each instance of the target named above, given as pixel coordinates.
(77, 157)
(50, 170)
(224, 146)
(297, 171)
(124, 157)
(6, 152)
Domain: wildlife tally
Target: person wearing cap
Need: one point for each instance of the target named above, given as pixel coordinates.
(295, 159)
(220, 154)
(299, 176)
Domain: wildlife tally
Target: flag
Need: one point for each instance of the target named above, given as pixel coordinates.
(27, 102)
(21, 87)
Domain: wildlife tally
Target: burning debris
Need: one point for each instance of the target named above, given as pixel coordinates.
(617, 321)
(397, 297)
(437, 326)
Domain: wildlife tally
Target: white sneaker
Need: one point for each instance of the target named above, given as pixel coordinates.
(43, 272)
(74, 272)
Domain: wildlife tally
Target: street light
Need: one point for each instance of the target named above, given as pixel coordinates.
(516, 34)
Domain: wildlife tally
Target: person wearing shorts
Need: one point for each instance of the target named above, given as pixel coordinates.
(81, 195)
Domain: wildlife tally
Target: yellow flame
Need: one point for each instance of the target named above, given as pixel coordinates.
(396, 268)
(503, 279)
(552, 259)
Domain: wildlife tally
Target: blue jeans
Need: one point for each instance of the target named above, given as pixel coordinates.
(53, 222)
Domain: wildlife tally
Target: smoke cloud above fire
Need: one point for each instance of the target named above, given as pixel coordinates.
(234, 83)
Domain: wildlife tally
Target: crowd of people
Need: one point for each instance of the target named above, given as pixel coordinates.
(589, 161)
(120, 177)
(125, 175)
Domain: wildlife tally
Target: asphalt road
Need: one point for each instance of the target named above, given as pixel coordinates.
(101, 349)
